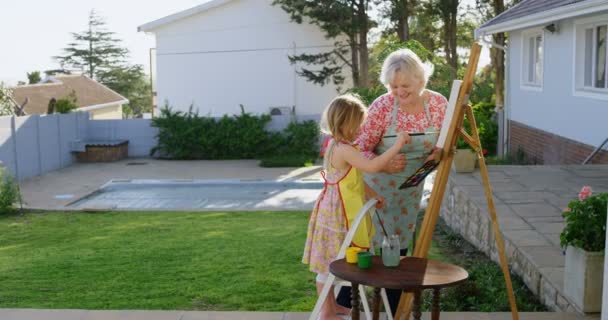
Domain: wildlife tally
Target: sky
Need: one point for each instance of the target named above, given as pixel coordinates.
(33, 31)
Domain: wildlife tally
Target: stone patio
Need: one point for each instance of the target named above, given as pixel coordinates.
(529, 202)
(42, 314)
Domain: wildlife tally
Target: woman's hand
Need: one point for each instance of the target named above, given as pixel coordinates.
(396, 164)
(435, 155)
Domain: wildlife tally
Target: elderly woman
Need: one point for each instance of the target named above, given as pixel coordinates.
(410, 107)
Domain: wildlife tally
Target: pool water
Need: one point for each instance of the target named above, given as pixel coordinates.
(203, 195)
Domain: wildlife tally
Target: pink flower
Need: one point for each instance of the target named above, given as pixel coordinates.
(585, 193)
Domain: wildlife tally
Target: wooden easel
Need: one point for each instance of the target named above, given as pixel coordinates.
(431, 214)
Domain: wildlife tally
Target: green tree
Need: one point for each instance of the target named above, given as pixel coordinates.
(66, 104)
(7, 104)
(398, 13)
(133, 84)
(447, 10)
(33, 77)
(93, 50)
(348, 22)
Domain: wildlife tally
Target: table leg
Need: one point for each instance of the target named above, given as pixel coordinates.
(435, 308)
(355, 301)
(376, 305)
(417, 304)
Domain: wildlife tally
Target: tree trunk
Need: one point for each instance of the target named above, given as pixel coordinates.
(403, 13)
(363, 52)
(354, 53)
(497, 58)
(453, 43)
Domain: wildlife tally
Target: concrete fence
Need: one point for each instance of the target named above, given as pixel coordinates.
(37, 144)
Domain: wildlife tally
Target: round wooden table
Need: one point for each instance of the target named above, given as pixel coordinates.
(412, 275)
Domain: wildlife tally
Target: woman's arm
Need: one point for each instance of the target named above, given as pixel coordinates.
(371, 132)
(374, 126)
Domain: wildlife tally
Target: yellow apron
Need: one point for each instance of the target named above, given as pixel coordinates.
(352, 195)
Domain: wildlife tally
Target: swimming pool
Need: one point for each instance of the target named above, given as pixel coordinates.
(202, 195)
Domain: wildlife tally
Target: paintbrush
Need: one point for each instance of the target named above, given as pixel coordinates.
(383, 230)
(411, 134)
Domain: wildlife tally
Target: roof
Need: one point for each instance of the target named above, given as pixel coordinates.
(529, 13)
(151, 26)
(90, 94)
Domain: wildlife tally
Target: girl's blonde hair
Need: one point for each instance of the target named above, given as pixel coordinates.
(342, 116)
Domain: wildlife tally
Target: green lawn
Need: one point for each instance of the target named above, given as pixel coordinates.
(186, 261)
(210, 261)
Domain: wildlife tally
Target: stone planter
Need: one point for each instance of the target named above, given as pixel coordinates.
(583, 278)
(464, 160)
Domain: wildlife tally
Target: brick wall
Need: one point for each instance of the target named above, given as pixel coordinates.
(541, 147)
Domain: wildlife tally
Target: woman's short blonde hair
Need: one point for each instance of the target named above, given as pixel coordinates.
(345, 111)
(406, 62)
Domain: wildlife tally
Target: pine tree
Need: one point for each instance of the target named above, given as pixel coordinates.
(94, 50)
(348, 22)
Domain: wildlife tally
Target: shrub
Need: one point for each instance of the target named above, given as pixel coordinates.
(186, 135)
(9, 191)
(585, 225)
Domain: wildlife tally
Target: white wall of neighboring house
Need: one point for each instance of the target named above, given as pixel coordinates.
(234, 54)
(555, 107)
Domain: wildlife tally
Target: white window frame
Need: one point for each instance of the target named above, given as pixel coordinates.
(537, 84)
(580, 45)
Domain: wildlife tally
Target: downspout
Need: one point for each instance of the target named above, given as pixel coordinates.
(500, 112)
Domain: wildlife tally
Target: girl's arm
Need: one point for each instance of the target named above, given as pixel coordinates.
(356, 159)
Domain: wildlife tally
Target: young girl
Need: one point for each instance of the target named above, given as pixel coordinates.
(343, 194)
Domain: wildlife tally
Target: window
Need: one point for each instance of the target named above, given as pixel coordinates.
(591, 57)
(532, 70)
(595, 57)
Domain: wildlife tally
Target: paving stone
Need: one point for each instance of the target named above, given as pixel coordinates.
(133, 315)
(513, 223)
(535, 210)
(41, 314)
(553, 238)
(547, 219)
(526, 238)
(545, 256)
(548, 227)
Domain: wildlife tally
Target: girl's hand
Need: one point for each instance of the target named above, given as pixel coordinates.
(396, 164)
(381, 201)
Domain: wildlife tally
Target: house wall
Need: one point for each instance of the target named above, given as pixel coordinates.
(552, 124)
(237, 54)
(111, 112)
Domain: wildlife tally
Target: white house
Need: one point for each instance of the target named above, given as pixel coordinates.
(224, 53)
(556, 100)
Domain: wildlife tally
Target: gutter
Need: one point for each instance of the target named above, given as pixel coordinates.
(545, 17)
(103, 105)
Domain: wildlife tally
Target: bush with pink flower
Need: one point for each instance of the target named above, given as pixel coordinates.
(585, 225)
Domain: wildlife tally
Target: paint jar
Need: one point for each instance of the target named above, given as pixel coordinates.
(390, 251)
(364, 259)
(351, 254)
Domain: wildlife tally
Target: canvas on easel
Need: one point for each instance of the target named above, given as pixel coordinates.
(451, 131)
